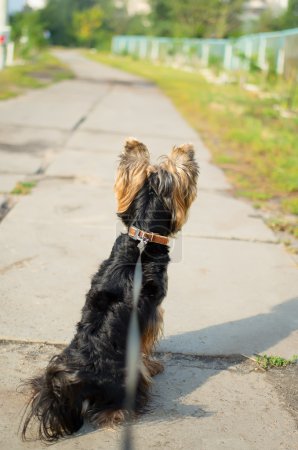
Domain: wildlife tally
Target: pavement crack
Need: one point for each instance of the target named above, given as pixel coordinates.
(78, 123)
(6, 206)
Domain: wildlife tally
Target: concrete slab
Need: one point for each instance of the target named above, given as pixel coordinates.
(20, 163)
(102, 160)
(239, 220)
(34, 140)
(8, 181)
(95, 140)
(61, 222)
(100, 166)
(211, 177)
(130, 110)
(78, 96)
(197, 404)
(218, 215)
(231, 297)
(88, 70)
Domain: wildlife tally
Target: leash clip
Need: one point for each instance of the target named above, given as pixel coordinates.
(143, 240)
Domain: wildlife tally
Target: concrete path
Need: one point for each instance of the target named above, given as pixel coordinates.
(232, 287)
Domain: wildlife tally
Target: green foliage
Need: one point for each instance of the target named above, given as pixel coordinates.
(283, 225)
(94, 22)
(28, 32)
(291, 205)
(86, 24)
(199, 18)
(23, 188)
(290, 18)
(83, 22)
(267, 362)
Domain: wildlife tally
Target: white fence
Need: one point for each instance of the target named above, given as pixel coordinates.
(276, 51)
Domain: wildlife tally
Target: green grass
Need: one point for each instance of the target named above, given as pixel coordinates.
(268, 362)
(23, 188)
(248, 138)
(41, 71)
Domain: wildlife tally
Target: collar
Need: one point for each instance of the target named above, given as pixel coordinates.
(145, 236)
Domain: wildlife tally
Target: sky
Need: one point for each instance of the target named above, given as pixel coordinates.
(17, 5)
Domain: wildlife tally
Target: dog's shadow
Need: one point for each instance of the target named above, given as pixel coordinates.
(186, 374)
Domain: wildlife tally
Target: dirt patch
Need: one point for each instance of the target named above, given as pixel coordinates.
(285, 382)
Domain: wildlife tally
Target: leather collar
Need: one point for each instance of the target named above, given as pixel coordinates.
(145, 236)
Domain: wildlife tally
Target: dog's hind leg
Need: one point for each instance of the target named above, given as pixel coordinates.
(149, 340)
(108, 418)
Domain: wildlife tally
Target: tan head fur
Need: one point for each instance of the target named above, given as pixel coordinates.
(132, 172)
(179, 167)
(184, 169)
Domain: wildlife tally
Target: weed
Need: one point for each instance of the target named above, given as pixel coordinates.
(283, 225)
(291, 205)
(23, 188)
(267, 362)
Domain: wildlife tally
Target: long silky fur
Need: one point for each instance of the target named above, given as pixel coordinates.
(87, 379)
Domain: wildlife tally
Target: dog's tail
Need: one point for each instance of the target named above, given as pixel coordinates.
(55, 403)
(64, 395)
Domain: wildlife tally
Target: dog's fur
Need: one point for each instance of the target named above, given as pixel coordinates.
(87, 380)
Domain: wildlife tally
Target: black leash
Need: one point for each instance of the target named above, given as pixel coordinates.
(133, 349)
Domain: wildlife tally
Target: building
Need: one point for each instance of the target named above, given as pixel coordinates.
(138, 7)
(253, 8)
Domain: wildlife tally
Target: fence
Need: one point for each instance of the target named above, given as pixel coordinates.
(276, 51)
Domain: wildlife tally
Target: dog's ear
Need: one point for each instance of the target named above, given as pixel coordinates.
(181, 164)
(132, 172)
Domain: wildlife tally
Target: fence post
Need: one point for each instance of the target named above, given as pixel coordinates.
(143, 48)
(228, 55)
(248, 52)
(205, 54)
(155, 49)
(10, 54)
(280, 61)
(262, 54)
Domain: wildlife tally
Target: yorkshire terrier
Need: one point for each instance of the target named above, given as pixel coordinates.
(87, 380)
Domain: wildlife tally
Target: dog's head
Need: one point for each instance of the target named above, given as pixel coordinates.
(156, 197)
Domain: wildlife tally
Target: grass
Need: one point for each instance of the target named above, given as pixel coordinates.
(39, 72)
(247, 135)
(268, 362)
(23, 188)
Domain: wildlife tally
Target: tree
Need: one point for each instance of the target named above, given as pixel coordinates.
(290, 18)
(86, 24)
(196, 18)
(58, 16)
(27, 30)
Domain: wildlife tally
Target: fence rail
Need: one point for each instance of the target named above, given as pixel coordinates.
(276, 51)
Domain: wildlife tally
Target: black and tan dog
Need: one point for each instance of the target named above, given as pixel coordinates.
(87, 380)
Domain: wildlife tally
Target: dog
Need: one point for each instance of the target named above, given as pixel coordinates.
(87, 380)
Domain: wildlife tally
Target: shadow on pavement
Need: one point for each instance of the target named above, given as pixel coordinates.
(185, 374)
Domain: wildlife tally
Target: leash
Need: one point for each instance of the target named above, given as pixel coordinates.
(133, 347)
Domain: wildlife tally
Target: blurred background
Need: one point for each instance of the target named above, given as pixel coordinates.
(229, 66)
